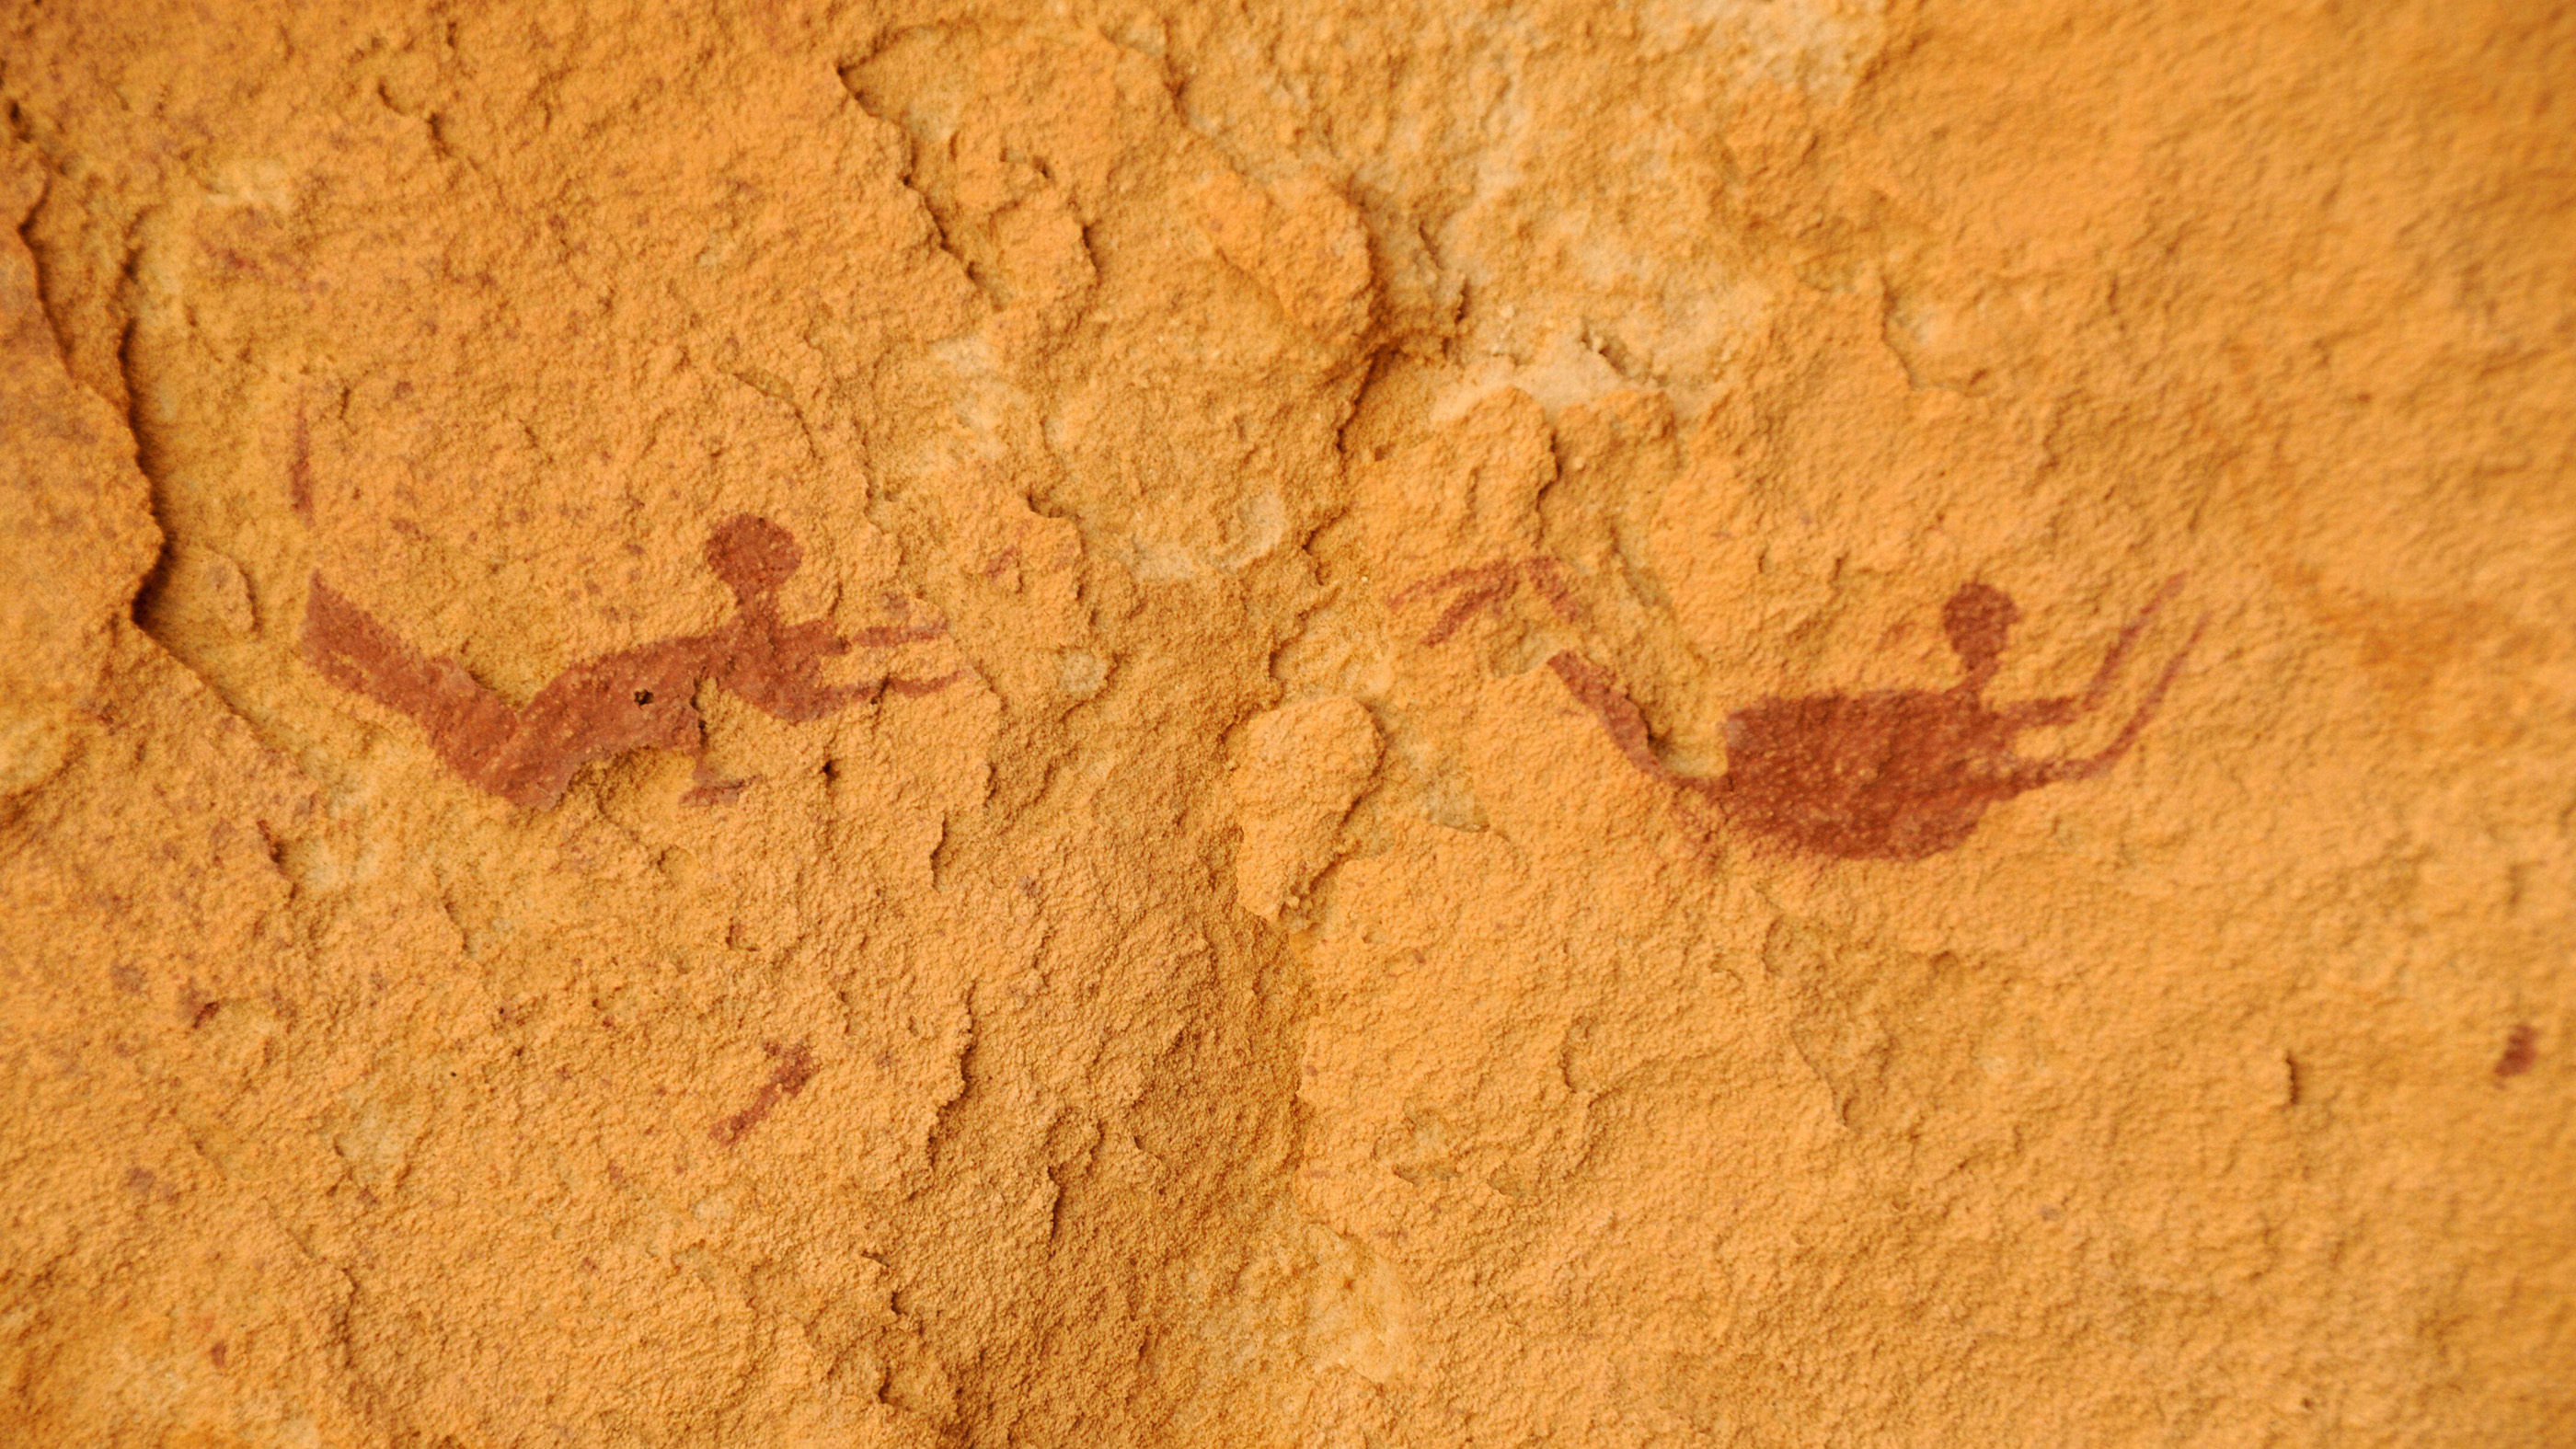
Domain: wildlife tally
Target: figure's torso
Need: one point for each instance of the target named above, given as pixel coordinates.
(1895, 774)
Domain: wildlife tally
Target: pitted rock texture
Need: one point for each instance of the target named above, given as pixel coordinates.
(1158, 724)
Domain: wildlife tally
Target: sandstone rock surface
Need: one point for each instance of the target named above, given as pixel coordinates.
(1147, 722)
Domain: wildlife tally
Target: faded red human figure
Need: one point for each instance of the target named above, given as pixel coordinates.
(1889, 774)
(633, 699)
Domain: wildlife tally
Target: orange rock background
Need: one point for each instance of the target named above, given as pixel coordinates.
(1227, 1015)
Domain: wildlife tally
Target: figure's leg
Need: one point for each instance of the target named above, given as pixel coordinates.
(706, 787)
(1599, 692)
(467, 723)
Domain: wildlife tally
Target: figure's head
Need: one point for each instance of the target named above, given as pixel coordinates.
(753, 555)
(1978, 619)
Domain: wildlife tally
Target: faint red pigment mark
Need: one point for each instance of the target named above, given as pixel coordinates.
(634, 699)
(2521, 1049)
(1482, 588)
(196, 1008)
(795, 1068)
(1887, 774)
(216, 1353)
(299, 469)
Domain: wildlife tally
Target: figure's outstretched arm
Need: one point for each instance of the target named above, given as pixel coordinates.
(2029, 773)
(2100, 688)
(780, 672)
(2075, 706)
(1483, 587)
(918, 687)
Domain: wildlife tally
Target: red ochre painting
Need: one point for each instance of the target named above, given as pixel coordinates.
(641, 698)
(1891, 774)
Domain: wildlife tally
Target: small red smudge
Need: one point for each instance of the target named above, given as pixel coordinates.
(795, 1068)
(299, 472)
(2521, 1047)
(195, 1007)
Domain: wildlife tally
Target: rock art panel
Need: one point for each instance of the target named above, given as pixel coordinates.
(1637, 726)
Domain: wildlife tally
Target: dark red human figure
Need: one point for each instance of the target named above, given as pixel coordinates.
(633, 699)
(1888, 774)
